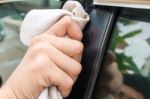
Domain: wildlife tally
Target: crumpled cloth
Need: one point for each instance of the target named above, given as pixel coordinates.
(38, 21)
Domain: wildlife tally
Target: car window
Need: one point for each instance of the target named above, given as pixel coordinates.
(11, 16)
(125, 73)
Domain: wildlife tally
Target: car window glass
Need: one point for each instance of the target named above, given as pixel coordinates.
(125, 71)
(11, 16)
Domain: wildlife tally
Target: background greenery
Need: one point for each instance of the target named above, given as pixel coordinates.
(125, 63)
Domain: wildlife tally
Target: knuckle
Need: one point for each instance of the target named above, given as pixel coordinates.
(40, 62)
(78, 47)
(38, 66)
(77, 70)
(68, 20)
(70, 83)
(37, 39)
(39, 49)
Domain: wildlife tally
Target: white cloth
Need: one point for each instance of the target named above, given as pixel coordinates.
(38, 21)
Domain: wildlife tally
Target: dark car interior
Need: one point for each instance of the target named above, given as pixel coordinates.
(116, 55)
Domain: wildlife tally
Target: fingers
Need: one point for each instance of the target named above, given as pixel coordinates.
(62, 70)
(64, 62)
(60, 79)
(49, 74)
(117, 78)
(72, 48)
(66, 26)
(49, 61)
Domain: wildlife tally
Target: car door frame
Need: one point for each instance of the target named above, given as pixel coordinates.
(97, 34)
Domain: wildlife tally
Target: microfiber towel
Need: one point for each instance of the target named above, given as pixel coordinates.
(38, 21)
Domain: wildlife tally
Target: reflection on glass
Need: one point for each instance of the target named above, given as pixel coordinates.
(126, 69)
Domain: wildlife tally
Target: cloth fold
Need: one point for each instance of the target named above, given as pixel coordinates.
(38, 21)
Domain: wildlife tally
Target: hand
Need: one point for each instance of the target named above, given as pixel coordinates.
(111, 78)
(48, 61)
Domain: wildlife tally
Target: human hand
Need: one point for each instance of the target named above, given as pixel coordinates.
(111, 79)
(50, 60)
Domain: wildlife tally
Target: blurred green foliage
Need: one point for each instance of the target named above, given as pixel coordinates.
(124, 62)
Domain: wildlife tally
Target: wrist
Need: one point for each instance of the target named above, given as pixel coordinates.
(3, 94)
(7, 93)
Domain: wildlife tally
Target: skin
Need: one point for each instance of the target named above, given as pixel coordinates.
(50, 60)
(129, 93)
(111, 82)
